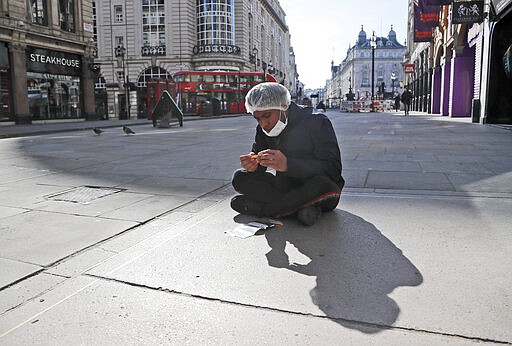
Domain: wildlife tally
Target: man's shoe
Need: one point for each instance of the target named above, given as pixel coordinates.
(309, 215)
(244, 205)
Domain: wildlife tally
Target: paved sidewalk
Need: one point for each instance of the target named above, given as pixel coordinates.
(9, 130)
(118, 239)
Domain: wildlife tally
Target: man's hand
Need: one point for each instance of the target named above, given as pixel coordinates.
(249, 162)
(273, 159)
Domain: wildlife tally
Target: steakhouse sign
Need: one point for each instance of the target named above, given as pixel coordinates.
(49, 61)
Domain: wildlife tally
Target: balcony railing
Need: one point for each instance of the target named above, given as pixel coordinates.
(152, 50)
(216, 49)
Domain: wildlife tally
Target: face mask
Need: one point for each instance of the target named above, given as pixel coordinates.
(278, 128)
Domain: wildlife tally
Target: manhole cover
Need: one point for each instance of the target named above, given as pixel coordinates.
(84, 194)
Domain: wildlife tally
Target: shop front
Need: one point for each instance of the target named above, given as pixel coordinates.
(499, 102)
(53, 84)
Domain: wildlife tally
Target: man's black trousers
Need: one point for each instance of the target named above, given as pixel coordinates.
(279, 197)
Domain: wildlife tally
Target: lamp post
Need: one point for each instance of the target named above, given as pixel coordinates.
(393, 78)
(253, 57)
(120, 55)
(373, 44)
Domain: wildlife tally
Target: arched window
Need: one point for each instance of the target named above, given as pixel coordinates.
(152, 73)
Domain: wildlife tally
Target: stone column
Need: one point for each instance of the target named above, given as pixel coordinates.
(87, 86)
(18, 76)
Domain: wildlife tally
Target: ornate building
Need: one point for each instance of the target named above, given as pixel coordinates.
(45, 51)
(354, 75)
(138, 40)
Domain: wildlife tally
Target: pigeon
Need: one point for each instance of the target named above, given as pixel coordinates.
(128, 130)
(97, 130)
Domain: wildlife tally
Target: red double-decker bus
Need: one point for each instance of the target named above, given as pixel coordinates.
(225, 90)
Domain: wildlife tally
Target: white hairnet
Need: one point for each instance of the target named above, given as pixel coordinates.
(268, 95)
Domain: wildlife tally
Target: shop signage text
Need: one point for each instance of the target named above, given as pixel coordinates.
(409, 68)
(45, 59)
(468, 12)
(54, 62)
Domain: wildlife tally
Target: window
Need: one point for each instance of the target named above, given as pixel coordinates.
(215, 22)
(95, 28)
(365, 81)
(119, 41)
(118, 13)
(53, 96)
(153, 23)
(38, 13)
(152, 73)
(67, 15)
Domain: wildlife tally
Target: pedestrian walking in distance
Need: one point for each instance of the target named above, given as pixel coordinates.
(406, 99)
(128, 130)
(397, 102)
(300, 147)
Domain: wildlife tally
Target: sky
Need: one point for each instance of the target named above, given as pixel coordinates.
(322, 31)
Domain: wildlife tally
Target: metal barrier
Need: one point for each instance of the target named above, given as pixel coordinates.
(355, 106)
(367, 106)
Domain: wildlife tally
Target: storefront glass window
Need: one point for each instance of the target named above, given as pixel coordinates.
(53, 96)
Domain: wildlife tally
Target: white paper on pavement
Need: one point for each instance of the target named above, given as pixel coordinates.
(243, 231)
(249, 229)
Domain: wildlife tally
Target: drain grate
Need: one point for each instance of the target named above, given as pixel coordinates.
(84, 194)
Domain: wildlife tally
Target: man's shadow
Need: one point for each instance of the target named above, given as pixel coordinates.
(355, 265)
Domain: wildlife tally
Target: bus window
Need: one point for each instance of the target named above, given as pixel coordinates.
(208, 78)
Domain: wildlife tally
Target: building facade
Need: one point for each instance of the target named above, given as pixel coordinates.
(495, 38)
(464, 70)
(353, 77)
(144, 39)
(45, 60)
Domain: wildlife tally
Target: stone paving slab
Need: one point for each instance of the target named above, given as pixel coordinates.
(113, 313)
(361, 263)
(11, 271)
(43, 238)
(482, 183)
(27, 291)
(408, 180)
(26, 195)
(10, 211)
(122, 206)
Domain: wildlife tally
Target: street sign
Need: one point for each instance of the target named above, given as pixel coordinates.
(409, 68)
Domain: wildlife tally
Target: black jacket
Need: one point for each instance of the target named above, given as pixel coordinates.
(310, 145)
